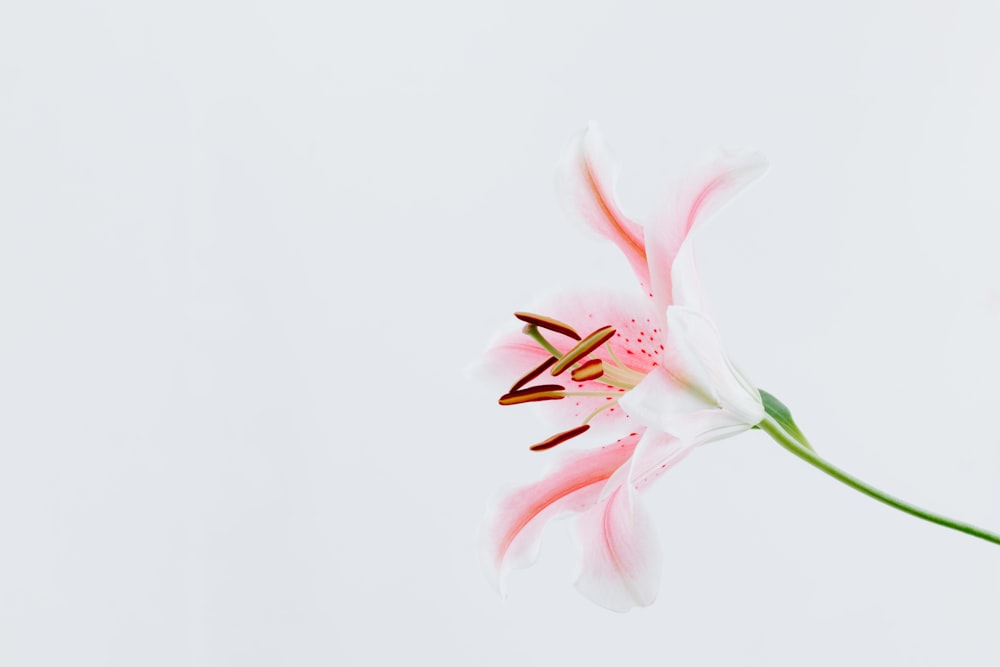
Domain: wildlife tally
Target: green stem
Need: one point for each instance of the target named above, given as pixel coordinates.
(774, 429)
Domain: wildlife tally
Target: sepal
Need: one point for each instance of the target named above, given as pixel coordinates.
(781, 414)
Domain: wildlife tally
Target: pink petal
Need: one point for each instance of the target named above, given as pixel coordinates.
(587, 182)
(516, 522)
(637, 343)
(709, 190)
(622, 559)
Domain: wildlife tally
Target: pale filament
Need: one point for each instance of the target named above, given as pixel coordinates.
(598, 411)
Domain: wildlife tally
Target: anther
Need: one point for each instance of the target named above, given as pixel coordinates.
(583, 348)
(590, 370)
(548, 323)
(559, 438)
(542, 392)
(533, 373)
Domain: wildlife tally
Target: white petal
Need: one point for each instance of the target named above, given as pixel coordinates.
(704, 426)
(663, 403)
(699, 351)
(660, 396)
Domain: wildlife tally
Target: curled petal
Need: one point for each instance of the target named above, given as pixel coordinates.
(622, 559)
(699, 350)
(697, 200)
(515, 524)
(587, 182)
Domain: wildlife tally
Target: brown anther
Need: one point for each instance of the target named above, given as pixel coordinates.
(548, 323)
(542, 392)
(559, 438)
(590, 370)
(533, 373)
(583, 348)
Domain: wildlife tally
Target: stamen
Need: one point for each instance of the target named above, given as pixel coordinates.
(559, 438)
(542, 392)
(532, 374)
(614, 357)
(548, 323)
(583, 348)
(599, 410)
(591, 370)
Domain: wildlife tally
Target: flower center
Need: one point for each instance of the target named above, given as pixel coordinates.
(583, 365)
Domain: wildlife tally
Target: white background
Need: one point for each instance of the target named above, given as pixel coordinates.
(247, 249)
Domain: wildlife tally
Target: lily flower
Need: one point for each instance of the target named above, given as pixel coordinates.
(648, 367)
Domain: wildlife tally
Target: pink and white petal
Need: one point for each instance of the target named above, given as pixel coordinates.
(701, 196)
(587, 183)
(515, 523)
(622, 558)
